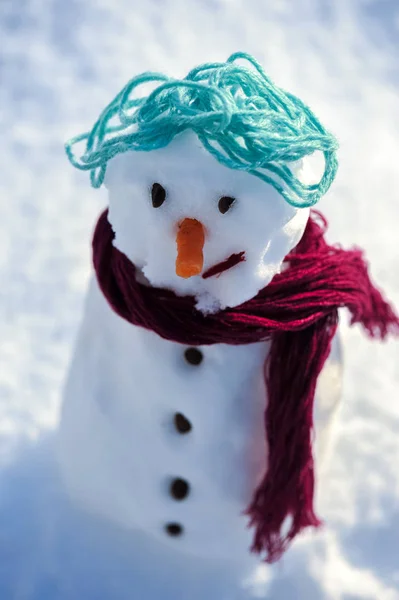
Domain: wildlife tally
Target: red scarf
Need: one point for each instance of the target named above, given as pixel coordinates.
(298, 311)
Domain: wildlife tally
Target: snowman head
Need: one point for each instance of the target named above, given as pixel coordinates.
(179, 216)
(208, 180)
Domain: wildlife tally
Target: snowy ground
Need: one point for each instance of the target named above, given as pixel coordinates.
(60, 62)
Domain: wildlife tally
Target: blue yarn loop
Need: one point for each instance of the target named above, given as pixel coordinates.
(240, 116)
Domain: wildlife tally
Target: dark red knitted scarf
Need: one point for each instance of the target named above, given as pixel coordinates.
(298, 311)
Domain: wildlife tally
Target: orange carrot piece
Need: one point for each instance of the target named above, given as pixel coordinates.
(190, 241)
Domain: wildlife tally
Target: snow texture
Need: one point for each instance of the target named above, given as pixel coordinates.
(60, 63)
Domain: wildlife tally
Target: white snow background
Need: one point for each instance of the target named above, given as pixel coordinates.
(60, 62)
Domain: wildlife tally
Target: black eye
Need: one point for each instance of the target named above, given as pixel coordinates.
(225, 203)
(158, 195)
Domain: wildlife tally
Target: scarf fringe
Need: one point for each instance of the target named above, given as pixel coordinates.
(283, 504)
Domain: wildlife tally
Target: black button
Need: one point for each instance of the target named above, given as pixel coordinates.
(174, 529)
(193, 356)
(182, 424)
(179, 489)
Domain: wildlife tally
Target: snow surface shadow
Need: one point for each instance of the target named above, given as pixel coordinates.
(50, 551)
(375, 545)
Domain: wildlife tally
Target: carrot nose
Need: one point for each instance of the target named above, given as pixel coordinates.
(190, 241)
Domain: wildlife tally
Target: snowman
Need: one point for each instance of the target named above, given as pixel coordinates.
(163, 425)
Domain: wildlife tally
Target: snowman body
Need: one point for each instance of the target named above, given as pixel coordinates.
(157, 436)
(127, 443)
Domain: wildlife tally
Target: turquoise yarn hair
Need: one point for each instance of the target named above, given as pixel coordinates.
(240, 116)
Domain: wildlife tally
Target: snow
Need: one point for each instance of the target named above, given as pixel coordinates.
(260, 223)
(60, 63)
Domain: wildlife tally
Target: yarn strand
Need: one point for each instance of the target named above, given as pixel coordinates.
(239, 115)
